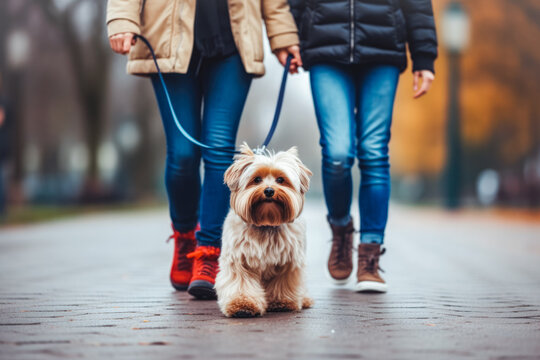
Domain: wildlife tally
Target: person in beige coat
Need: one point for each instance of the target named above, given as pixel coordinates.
(209, 51)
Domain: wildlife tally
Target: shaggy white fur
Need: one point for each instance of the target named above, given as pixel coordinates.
(262, 258)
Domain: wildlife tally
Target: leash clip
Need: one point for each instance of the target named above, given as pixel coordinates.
(260, 150)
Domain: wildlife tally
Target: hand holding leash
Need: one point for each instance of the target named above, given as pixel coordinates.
(121, 43)
(292, 51)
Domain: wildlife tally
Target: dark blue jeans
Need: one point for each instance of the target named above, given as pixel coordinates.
(354, 107)
(208, 100)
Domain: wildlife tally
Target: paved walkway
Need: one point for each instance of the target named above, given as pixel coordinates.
(96, 287)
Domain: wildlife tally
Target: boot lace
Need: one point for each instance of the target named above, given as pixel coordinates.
(372, 261)
(206, 256)
(183, 243)
(342, 247)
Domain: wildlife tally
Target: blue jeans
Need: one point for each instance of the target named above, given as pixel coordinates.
(354, 107)
(223, 84)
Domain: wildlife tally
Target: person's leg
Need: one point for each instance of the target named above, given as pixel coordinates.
(376, 92)
(333, 93)
(182, 178)
(225, 86)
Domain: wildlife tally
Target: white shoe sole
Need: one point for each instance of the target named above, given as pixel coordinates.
(335, 281)
(371, 286)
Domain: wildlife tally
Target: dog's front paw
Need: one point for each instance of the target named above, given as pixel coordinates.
(284, 305)
(307, 302)
(243, 307)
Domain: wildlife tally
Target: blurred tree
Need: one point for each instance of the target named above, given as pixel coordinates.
(499, 97)
(12, 76)
(501, 126)
(144, 109)
(90, 56)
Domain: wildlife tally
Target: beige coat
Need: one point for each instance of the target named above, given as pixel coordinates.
(168, 25)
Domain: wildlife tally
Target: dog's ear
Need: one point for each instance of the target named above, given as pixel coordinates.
(241, 162)
(304, 175)
(303, 172)
(293, 151)
(245, 150)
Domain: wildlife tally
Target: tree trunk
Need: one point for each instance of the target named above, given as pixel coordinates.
(91, 76)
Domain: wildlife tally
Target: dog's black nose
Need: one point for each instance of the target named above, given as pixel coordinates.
(269, 192)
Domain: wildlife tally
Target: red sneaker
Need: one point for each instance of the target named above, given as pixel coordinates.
(181, 269)
(205, 269)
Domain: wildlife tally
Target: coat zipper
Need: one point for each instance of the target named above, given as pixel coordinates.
(351, 59)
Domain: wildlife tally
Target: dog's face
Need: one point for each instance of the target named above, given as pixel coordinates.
(267, 190)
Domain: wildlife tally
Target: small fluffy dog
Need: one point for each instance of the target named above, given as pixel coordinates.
(261, 267)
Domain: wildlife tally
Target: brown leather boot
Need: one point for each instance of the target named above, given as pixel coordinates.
(340, 263)
(368, 276)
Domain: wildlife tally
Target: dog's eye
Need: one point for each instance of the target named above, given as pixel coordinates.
(280, 180)
(257, 180)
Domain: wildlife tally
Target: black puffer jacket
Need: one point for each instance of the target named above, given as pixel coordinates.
(366, 31)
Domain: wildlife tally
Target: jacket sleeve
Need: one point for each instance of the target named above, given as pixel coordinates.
(123, 16)
(280, 26)
(297, 9)
(421, 34)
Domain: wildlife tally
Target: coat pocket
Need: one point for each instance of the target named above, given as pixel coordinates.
(143, 4)
(257, 42)
(156, 26)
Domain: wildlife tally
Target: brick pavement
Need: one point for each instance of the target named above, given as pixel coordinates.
(96, 287)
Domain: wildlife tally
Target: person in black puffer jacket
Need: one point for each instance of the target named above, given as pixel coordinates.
(366, 31)
(355, 51)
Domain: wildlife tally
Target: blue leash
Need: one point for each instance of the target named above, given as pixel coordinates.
(221, 148)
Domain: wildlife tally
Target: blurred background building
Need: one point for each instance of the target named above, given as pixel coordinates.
(78, 130)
